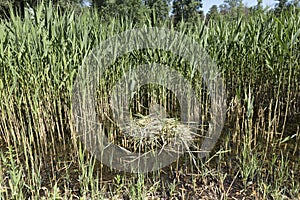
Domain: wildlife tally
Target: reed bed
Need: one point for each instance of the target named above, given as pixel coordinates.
(256, 157)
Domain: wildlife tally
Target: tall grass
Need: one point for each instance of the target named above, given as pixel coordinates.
(257, 154)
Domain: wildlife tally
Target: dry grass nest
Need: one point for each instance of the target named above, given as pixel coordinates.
(146, 133)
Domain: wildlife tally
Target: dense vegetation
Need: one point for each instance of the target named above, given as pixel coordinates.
(257, 155)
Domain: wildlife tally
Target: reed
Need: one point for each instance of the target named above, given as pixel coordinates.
(256, 156)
